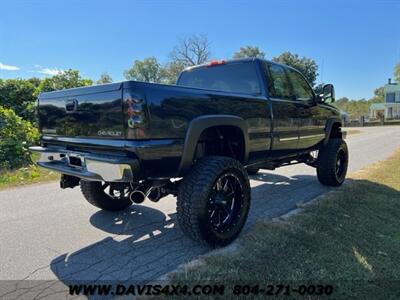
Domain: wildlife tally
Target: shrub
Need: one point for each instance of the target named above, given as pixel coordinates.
(19, 95)
(16, 135)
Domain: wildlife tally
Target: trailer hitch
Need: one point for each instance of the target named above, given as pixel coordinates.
(68, 181)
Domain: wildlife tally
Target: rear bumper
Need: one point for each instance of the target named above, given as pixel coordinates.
(88, 166)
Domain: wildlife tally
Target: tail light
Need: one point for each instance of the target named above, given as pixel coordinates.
(136, 115)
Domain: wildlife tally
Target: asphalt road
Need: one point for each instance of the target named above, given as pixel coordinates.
(49, 233)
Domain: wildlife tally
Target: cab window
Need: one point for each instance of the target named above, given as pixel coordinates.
(278, 83)
(234, 77)
(301, 89)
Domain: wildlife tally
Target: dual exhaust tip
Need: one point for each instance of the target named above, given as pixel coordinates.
(138, 196)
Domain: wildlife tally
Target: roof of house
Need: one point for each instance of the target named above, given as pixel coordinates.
(393, 87)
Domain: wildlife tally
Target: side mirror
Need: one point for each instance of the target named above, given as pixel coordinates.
(325, 93)
(328, 93)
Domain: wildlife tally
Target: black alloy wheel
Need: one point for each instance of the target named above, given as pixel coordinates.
(214, 200)
(225, 203)
(332, 163)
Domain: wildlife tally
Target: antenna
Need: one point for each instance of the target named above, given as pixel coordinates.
(322, 72)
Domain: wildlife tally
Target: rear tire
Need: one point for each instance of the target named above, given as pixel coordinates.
(94, 193)
(214, 200)
(332, 163)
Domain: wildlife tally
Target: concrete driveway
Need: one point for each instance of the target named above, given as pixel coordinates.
(48, 233)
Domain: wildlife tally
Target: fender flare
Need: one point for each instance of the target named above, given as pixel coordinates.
(329, 125)
(196, 128)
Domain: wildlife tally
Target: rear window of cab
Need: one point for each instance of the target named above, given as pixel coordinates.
(237, 77)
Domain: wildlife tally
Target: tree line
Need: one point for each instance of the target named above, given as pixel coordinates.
(195, 50)
(20, 95)
(358, 108)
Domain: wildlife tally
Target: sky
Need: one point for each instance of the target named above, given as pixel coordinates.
(355, 43)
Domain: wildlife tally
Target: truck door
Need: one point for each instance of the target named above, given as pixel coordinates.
(311, 125)
(284, 110)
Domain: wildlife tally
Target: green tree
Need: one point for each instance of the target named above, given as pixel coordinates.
(249, 51)
(19, 95)
(190, 51)
(378, 95)
(171, 71)
(34, 81)
(16, 135)
(307, 66)
(149, 70)
(354, 108)
(397, 72)
(64, 80)
(357, 108)
(342, 100)
(104, 78)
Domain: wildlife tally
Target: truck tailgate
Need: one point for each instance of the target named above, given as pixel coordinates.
(94, 111)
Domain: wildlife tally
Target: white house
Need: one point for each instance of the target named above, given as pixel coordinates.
(390, 108)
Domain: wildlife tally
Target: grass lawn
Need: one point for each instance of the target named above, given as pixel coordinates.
(351, 240)
(26, 175)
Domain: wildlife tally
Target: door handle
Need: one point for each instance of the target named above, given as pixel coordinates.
(71, 105)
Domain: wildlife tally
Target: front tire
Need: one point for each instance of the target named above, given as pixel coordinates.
(214, 200)
(105, 195)
(333, 160)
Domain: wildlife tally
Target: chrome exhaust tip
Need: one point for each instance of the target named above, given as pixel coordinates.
(154, 194)
(137, 196)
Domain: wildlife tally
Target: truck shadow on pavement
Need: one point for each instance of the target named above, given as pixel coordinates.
(145, 243)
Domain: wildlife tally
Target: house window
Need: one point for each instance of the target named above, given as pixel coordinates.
(390, 97)
(397, 96)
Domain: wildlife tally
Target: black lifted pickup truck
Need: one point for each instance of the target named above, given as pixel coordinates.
(197, 140)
